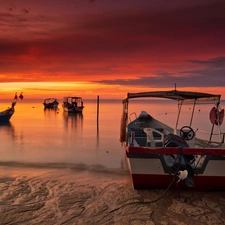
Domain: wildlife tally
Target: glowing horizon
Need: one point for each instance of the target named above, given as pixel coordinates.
(86, 90)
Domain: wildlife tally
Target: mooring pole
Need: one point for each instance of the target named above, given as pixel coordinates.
(97, 115)
(97, 120)
(97, 108)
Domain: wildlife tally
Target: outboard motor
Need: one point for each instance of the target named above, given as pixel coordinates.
(172, 140)
(182, 169)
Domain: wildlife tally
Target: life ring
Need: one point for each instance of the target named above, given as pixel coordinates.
(216, 116)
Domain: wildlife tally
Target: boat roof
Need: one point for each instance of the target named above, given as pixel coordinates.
(71, 97)
(184, 96)
(50, 99)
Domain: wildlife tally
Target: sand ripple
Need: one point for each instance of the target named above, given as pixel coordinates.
(41, 196)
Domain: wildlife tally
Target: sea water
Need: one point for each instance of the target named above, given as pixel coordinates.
(57, 168)
(38, 135)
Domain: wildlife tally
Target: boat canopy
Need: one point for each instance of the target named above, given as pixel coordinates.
(49, 100)
(70, 98)
(183, 96)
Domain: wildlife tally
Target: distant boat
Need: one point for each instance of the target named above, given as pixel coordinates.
(160, 156)
(7, 114)
(73, 104)
(50, 103)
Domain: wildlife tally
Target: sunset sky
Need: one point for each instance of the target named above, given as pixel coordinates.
(55, 48)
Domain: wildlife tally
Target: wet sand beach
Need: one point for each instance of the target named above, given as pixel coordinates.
(77, 195)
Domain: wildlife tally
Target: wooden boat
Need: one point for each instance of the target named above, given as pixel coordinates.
(73, 104)
(160, 156)
(6, 115)
(50, 103)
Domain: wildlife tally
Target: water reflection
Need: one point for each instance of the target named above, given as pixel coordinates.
(6, 128)
(50, 111)
(9, 136)
(73, 121)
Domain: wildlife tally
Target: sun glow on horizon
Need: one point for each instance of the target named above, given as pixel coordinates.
(35, 90)
(86, 90)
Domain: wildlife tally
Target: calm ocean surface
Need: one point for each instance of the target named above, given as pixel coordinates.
(38, 135)
(35, 135)
(59, 169)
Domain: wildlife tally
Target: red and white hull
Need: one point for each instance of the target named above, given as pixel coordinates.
(148, 171)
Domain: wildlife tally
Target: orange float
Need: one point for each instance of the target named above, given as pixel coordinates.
(216, 116)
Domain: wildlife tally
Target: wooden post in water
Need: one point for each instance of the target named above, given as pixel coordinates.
(97, 114)
(97, 108)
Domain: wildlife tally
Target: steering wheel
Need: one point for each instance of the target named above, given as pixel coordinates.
(187, 133)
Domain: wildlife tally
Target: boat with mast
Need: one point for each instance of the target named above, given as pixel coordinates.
(7, 114)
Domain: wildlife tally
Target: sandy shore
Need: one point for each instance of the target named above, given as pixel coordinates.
(69, 196)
